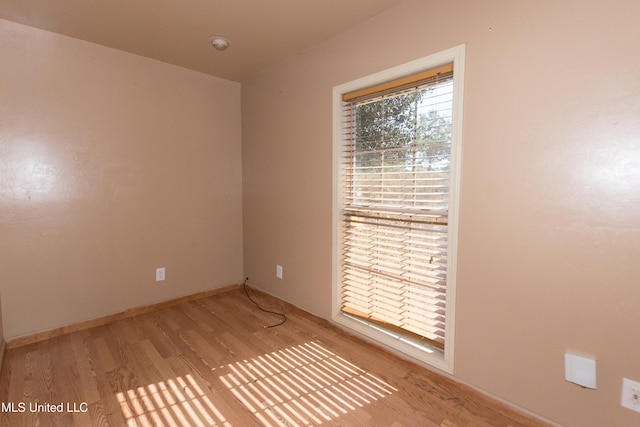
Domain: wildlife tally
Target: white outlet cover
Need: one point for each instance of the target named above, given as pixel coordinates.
(160, 274)
(580, 370)
(630, 394)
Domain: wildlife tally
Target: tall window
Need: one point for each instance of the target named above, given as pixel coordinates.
(397, 162)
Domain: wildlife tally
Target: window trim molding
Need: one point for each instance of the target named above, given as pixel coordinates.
(443, 360)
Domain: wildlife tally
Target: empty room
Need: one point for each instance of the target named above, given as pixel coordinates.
(337, 212)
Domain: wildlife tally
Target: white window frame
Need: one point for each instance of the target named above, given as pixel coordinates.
(437, 358)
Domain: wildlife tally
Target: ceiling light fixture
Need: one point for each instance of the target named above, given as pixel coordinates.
(219, 42)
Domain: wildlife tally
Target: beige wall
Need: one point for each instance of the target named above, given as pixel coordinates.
(111, 165)
(550, 207)
(2, 341)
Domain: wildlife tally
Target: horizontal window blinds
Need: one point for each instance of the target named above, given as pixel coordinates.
(396, 157)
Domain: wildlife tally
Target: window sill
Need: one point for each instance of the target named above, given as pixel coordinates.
(421, 352)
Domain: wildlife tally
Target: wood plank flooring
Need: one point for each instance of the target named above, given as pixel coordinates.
(211, 362)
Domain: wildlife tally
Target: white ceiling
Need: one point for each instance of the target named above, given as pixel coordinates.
(262, 32)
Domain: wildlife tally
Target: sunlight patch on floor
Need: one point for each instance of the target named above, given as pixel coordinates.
(302, 385)
(176, 402)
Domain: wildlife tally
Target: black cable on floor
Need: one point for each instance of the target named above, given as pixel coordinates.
(284, 318)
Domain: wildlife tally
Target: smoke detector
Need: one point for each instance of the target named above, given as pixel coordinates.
(219, 42)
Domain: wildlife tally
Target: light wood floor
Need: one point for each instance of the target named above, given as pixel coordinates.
(211, 362)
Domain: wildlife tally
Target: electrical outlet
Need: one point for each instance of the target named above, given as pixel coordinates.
(630, 394)
(160, 274)
(279, 271)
